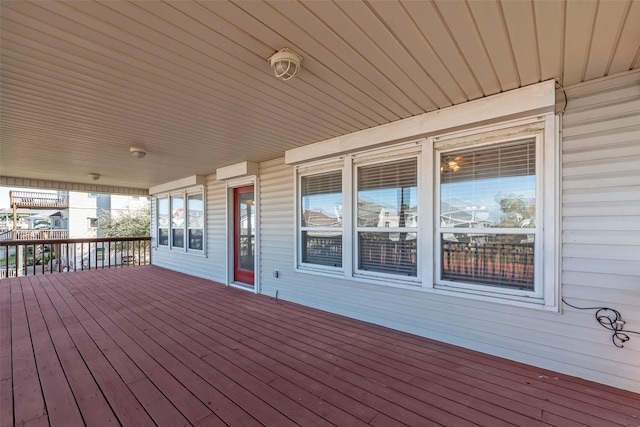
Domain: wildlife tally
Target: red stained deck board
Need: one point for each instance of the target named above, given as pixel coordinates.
(60, 400)
(223, 330)
(606, 410)
(304, 364)
(258, 339)
(231, 374)
(88, 334)
(210, 396)
(163, 413)
(90, 397)
(408, 398)
(27, 393)
(179, 395)
(6, 376)
(118, 395)
(342, 398)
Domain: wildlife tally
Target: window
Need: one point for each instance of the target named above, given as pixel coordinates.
(387, 217)
(490, 207)
(487, 213)
(459, 214)
(181, 219)
(163, 221)
(177, 221)
(195, 224)
(321, 219)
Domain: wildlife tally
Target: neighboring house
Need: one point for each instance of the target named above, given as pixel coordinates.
(82, 215)
(85, 210)
(360, 261)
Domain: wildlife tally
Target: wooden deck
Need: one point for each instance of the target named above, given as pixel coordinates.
(146, 346)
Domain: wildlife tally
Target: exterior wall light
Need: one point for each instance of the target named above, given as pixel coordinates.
(138, 153)
(285, 64)
(94, 176)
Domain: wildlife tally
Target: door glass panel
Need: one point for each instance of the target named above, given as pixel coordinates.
(246, 235)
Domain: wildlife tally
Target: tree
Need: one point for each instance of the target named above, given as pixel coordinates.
(134, 223)
(516, 208)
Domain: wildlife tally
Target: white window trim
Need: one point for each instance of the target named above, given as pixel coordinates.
(299, 173)
(183, 193)
(375, 159)
(156, 227)
(547, 291)
(348, 164)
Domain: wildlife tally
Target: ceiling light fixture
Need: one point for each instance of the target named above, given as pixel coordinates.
(285, 64)
(94, 176)
(138, 153)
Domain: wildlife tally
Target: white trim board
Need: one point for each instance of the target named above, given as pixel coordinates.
(518, 103)
(178, 184)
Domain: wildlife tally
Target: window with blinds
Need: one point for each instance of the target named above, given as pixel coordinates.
(387, 217)
(321, 219)
(163, 221)
(487, 212)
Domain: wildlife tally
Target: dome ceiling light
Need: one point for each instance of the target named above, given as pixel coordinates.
(285, 64)
(138, 153)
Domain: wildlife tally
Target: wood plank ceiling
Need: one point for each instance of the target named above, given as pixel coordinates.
(189, 81)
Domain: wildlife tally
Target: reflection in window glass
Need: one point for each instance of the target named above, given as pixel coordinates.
(321, 219)
(195, 223)
(177, 222)
(488, 215)
(491, 187)
(163, 221)
(387, 214)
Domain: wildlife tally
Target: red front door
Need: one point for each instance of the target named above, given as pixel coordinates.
(244, 235)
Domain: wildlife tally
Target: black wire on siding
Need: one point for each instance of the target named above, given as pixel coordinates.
(609, 319)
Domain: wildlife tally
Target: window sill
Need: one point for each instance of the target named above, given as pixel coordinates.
(533, 301)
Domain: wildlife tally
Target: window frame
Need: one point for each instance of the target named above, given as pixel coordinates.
(546, 292)
(157, 221)
(316, 170)
(372, 160)
(544, 127)
(184, 195)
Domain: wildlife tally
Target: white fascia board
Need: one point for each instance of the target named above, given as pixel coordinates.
(524, 102)
(189, 181)
(237, 170)
(8, 181)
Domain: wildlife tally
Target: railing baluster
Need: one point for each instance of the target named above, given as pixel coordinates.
(67, 253)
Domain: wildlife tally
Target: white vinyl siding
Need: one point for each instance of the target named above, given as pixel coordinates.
(601, 224)
(600, 195)
(599, 263)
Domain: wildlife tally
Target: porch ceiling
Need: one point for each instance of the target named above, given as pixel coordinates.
(83, 81)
